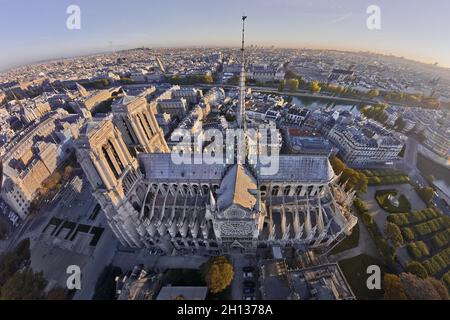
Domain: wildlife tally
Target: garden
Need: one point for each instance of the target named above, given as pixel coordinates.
(427, 234)
(384, 200)
(385, 177)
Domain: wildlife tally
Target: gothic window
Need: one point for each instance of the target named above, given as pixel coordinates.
(110, 163)
(148, 123)
(287, 190)
(143, 127)
(127, 129)
(116, 156)
(275, 190)
(298, 190)
(185, 189)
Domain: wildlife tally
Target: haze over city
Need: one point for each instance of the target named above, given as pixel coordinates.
(414, 29)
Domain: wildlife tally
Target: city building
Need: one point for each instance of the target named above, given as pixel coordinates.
(324, 282)
(34, 156)
(266, 73)
(361, 147)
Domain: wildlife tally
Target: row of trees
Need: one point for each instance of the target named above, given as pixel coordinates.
(426, 194)
(375, 112)
(17, 280)
(355, 179)
(190, 80)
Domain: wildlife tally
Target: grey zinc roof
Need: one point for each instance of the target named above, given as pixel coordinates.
(159, 166)
(301, 168)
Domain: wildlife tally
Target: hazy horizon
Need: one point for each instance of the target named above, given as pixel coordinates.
(36, 32)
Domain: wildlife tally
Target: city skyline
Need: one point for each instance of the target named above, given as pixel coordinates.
(40, 33)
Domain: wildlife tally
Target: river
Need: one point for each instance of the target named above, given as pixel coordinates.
(314, 104)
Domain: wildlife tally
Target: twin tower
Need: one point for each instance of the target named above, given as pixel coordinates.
(107, 149)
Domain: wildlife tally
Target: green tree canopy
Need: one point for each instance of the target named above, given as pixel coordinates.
(281, 85)
(373, 93)
(293, 84)
(219, 274)
(417, 269)
(314, 86)
(24, 285)
(393, 233)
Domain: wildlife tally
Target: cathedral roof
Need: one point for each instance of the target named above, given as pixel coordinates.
(238, 187)
(301, 168)
(124, 100)
(160, 167)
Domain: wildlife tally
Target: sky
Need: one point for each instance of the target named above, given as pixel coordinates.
(32, 31)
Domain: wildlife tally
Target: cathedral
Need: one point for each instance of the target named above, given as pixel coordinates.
(152, 202)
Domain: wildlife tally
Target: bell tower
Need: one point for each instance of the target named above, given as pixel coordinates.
(114, 177)
(138, 125)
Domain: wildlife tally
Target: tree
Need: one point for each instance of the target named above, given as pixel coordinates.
(439, 287)
(393, 288)
(426, 194)
(393, 233)
(208, 79)
(367, 218)
(417, 269)
(281, 85)
(12, 261)
(354, 179)
(57, 293)
(24, 285)
(293, 84)
(337, 164)
(219, 274)
(360, 206)
(314, 86)
(419, 289)
(373, 93)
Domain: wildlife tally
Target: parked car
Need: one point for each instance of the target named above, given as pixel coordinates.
(248, 275)
(249, 284)
(249, 298)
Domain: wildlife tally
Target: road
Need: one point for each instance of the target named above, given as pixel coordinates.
(409, 163)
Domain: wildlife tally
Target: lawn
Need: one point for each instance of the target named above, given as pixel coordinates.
(355, 271)
(381, 196)
(348, 243)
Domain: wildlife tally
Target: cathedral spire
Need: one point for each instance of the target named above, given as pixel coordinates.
(241, 114)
